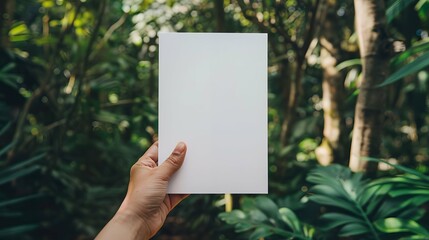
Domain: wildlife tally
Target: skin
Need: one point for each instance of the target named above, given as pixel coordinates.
(147, 204)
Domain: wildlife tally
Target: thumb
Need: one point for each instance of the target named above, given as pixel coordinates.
(173, 162)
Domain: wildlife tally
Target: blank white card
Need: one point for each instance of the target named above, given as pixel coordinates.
(213, 97)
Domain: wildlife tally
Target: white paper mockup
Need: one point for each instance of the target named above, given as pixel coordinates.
(213, 97)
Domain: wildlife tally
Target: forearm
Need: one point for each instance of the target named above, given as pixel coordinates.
(123, 227)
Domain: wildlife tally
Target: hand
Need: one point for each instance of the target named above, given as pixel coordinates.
(146, 205)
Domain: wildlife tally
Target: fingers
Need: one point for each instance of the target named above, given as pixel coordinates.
(150, 157)
(173, 162)
(152, 152)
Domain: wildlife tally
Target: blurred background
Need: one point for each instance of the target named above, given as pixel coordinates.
(78, 106)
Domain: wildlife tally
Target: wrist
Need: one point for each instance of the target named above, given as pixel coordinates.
(135, 224)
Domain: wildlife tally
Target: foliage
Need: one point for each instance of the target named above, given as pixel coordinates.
(9, 207)
(352, 207)
(263, 218)
(357, 205)
(413, 188)
(417, 64)
(78, 105)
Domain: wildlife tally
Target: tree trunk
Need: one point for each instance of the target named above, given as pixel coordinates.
(6, 15)
(289, 98)
(331, 150)
(220, 15)
(374, 49)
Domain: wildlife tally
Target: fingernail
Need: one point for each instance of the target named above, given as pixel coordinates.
(180, 148)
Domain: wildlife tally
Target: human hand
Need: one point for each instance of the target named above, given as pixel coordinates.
(146, 205)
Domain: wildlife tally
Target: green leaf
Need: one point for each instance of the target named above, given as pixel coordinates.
(243, 226)
(415, 200)
(396, 225)
(349, 63)
(13, 231)
(267, 206)
(399, 167)
(18, 200)
(6, 148)
(396, 8)
(374, 204)
(7, 67)
(333, 220)
(403, 180)
(417, 48)
(260, 232)
(289, 235)
(257, 215)
(5, 128)
(247, 204)
(422, 8)
(353, 229)
(420, 4)
(325, 190)
(18, 174)
(19, 32)
(393, 207)
(372, 192)
(412, 67)
(10, 79)
(286, 150)
(411, 212)
(232, 217)
(335, 202)
(22, 164)
(414, 237)
(405, 192)
(289, 217)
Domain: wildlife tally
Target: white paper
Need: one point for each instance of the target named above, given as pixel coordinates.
(213, 96)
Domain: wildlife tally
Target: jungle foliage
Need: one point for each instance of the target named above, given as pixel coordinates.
(78, 105)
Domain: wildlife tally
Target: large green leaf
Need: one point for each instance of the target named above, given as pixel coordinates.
(335, 186)
(353, 229)
(257, 215)
(399, 167)
(334, 202)
(262, 217)
(289, 217)
(266, 205)
(395, 225)
(349, 63)
(332, 220)
(405, 192)
(325, 190)
(356, 203)
(372, 194)
(415, 200)
(419, 63)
